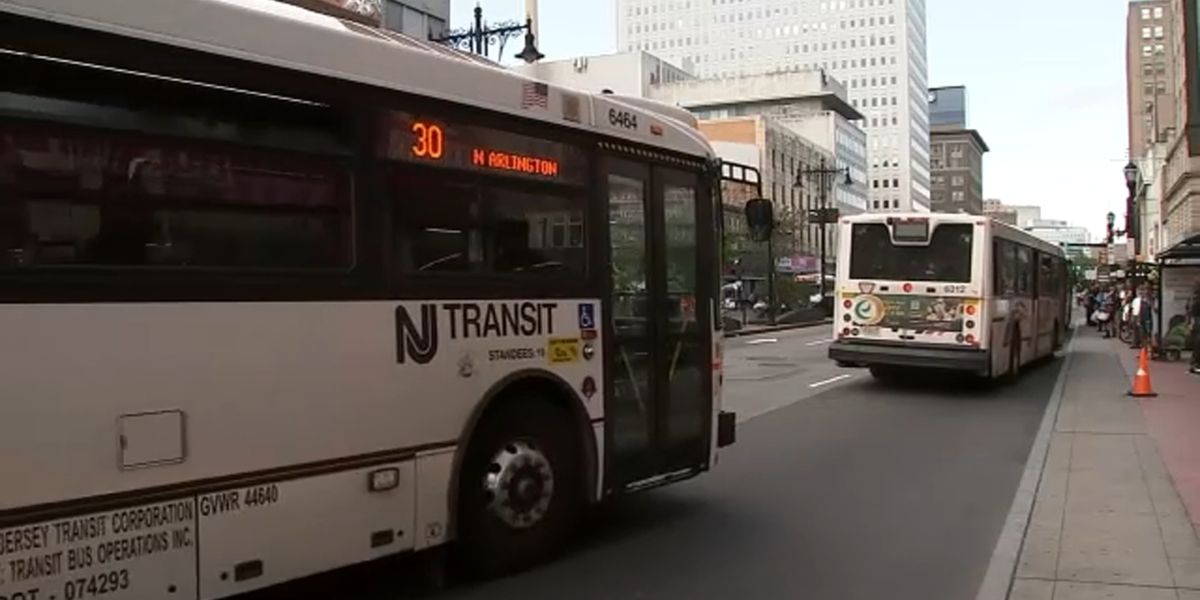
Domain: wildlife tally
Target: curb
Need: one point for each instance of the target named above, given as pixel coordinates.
(1002, 568)
(774, 328)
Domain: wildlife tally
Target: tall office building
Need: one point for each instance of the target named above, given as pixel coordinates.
(876, 46)
(1150, 73)
(956, 154)
(948, 106)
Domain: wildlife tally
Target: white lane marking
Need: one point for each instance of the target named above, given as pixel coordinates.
(820, 342)
(762, 341)
(830, 380)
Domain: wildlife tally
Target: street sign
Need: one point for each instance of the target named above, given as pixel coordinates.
(823, 215)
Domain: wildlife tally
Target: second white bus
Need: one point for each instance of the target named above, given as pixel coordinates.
(943, 291)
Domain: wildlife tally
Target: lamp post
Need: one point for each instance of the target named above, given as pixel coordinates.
(824, 214)
(479, 39)
(1131, 184)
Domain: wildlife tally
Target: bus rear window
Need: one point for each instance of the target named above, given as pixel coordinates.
(947, 257)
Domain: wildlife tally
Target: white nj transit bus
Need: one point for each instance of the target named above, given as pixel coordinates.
(281, 292)
(946, 291)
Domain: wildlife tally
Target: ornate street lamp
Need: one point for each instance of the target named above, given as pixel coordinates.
(480, 38)
(824, 215)
(1132, 177)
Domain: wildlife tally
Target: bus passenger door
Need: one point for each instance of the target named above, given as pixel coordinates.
(658, 406)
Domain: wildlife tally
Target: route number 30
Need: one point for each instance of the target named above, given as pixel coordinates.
(428, 141)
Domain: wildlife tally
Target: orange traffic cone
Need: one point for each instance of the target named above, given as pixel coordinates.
(1141, 380)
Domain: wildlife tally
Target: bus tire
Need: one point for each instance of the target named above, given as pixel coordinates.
(520, 489)
(883, 372)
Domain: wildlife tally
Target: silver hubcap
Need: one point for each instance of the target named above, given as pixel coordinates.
(519, 484)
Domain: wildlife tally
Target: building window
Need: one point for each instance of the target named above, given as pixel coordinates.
(1147, 50)
(895, 183)
(1145, 13)
(1158, 32)
(1145, 33)
(957, 195)
(957, 180)
(1158, 12)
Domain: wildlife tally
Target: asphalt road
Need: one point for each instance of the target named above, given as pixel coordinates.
(839, 488)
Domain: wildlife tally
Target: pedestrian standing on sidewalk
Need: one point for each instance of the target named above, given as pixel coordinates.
(1194, 318)
(1089, 302)
(1133, 318)
(1146, 318)
(1110, 304)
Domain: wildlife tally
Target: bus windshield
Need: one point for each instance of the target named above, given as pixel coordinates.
(947, 257)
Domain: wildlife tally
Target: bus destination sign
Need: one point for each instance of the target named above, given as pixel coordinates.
(436, 142)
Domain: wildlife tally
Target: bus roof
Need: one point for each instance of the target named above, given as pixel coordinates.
(283, 35)
(997, 228)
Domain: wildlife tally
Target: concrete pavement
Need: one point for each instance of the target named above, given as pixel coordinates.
(1106, 521)
(772, 370)
(839, 488)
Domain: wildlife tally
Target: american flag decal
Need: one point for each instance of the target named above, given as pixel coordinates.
(534, 94)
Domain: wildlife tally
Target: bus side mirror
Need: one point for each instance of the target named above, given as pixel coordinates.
(760, 219)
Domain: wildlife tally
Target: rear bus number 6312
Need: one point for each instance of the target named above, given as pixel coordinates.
(954, 289)
(95, 586)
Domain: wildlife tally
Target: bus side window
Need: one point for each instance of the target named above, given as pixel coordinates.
(1005, 268)
(1024, 271)
(1047, 277)
(481, 226)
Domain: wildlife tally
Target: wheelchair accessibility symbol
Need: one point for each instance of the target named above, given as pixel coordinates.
(587, 316)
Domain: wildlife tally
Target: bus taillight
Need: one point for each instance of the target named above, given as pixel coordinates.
(970, 339)
(971, 310)
(907, 288)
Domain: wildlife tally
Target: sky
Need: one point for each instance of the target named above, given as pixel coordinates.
(1045, 87)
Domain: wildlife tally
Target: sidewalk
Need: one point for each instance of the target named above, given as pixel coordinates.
(1107, 520)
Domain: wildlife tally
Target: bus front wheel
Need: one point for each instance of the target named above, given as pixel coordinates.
(520, 492)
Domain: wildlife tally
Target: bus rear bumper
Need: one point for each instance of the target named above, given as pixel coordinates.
(955, 359)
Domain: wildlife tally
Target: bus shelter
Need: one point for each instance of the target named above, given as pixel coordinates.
(1179, 274)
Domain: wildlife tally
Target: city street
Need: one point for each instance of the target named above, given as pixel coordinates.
(839, 487)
